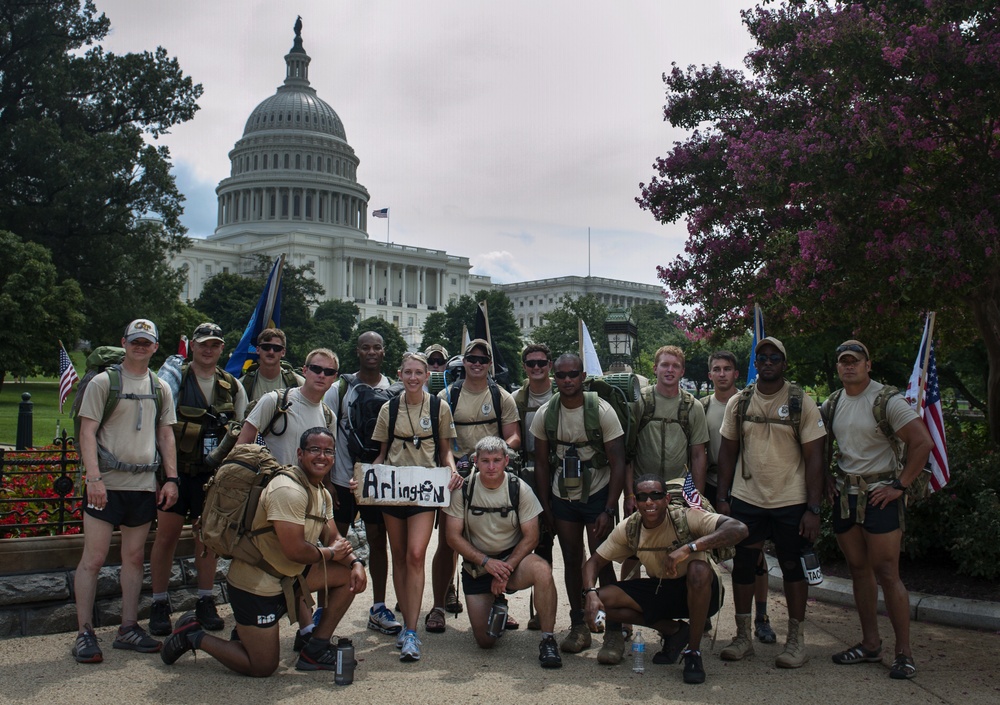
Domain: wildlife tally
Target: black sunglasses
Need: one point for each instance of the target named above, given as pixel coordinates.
(572, 374)
(436, 361)
(271, 347)
(853, 347)
(774, 358)
(656, 496)
(317, 370)
(477, 359)
(536, 363)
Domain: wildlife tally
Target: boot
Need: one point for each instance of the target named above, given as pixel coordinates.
(742, 644)
(614, 645)
(577, 640)
(794, 655)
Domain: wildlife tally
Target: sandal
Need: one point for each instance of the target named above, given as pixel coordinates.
(858, 654)
(434, 621)
(902, 668)
(511, 624)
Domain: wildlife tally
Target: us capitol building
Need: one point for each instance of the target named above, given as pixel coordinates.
(293, 188)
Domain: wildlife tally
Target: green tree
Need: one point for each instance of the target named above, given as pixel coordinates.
(435, 332)
(332, 327)
(228, 300)
(561, 330)
(79, 173)
(36, 309)
(503, 328)
(657, 326)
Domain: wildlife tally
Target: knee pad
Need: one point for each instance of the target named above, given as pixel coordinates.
(745, 565)
(791, 567)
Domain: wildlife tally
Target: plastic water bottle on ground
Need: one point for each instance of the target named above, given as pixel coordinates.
(638, 652)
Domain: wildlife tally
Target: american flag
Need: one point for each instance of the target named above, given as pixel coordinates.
(930, 408)
(690, 493)
(381, 213)
(67, 376)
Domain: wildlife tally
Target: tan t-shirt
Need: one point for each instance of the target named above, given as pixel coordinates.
(662, 447)
(474, 408)
(714, 416)
(657, 543)
(863, 448)
(283, 439)
(770, 451)
(264, 385)
(284, 499)
(414, 420)
(490, 532)
(119, 434)
(571, 429)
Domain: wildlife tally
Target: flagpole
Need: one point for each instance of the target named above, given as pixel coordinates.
(588, 250)
(926, 352)
(387, 216)
(489, 337)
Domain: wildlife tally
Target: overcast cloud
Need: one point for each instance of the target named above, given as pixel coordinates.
(497, 131)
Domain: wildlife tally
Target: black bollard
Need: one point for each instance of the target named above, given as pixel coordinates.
(24, 434)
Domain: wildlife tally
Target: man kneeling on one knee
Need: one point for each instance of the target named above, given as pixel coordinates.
(672, 544)
(493, 524)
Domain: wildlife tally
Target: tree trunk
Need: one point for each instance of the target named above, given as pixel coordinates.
(987, 312)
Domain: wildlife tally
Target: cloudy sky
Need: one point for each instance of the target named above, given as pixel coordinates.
(497, 131)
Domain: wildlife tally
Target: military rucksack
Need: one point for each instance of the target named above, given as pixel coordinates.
(455, 391)
(108, 358)
(435, 414)
(684, 406)
(513, 497)
(795, 395)
(198, 430)
(362, 415)
(250, 377)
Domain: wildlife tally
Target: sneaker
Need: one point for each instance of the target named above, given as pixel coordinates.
(762, 630)
(383, 621)
(548, 653)
(207, 615)
(85, 648)
(577, 640)
(300, 640)
(611, 652)
(317, 657)
(673, 645)
(694, 670)
(135, 638)
(902, 668)
(178, 643)
(400, 638)
(411, 648)
(159, 618)
(451, 602)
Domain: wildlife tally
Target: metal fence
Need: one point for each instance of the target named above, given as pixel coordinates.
(38, 490)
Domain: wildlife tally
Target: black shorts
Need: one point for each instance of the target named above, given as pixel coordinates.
(711, 493)
(252, 610)
(581, 512)
(125, 508)
(781, 525)
(666, 598)
(405, 512)
(877, 520)
(190, 496)
(348, 508)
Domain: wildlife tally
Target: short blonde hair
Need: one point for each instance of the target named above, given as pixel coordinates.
(669, 350)
(322, 351)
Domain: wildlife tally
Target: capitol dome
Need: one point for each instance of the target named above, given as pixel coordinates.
(292, 165)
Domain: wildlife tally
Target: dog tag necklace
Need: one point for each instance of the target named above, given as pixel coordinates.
(413, 428)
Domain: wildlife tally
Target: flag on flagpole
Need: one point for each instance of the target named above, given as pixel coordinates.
(182, 347)
(67, 376)
(758, 335)
(691, 494)
(381, 213)
(588, 353)
(924, 395)
(266, 315)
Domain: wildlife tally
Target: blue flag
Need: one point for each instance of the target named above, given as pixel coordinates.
(758, 335)
(266, 315)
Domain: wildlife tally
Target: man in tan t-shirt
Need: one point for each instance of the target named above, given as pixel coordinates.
(777, 492)
(496, 539)
(294, 542)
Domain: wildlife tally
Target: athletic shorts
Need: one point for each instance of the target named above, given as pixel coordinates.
(877, 521)
(348, 508)
(405, 512)
(252, 610)
(125, 508)
(190, 496)
(581, 512)
(781, 525)
(665, 599)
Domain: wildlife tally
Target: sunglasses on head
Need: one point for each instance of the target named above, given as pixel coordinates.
(536, 363)
(774, 358)
(317, 370)
(572, 374)
(271, 347)
(477, 359)
(656, 496)
(853, 347)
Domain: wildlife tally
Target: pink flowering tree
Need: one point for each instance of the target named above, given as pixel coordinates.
(850, 177)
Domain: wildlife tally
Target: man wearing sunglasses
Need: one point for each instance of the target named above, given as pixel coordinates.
(776, 493)
(580, 473)
(282, 416)
(271, 371)
(683, 579)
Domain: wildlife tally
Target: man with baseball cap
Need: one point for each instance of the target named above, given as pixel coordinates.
(871, 424)
(437, 357)
(125, 435)
(777, 432)
(207, 399)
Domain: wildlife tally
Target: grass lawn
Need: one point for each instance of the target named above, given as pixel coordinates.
(45, 414)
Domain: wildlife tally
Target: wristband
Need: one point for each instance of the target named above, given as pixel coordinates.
(92, 481)
(630, 496)
(486, 559)
(586, 590)
(357, 560)
(175, 480)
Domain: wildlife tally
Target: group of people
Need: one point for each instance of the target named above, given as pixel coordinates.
(524, 469)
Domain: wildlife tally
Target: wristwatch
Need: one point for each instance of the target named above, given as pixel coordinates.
(814, 508)
(590, 589)
(897, 485)
(692, 547)
(175, 480)
(610, 511)
(358, 560)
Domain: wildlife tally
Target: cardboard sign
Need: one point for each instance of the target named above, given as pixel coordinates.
(387, 485)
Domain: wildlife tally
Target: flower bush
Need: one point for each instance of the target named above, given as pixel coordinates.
(29, 502)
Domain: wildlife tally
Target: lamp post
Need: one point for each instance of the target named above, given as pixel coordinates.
(622, 333)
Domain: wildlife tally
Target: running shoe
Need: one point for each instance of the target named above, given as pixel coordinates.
(548, 653)
(411, 648)
(85, 649)
(383, 620)
(319, 658)
(178, 643)
(207, 615)
(159, 618)
(135, 638)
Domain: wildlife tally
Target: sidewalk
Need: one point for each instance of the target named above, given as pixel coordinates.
(954, 666)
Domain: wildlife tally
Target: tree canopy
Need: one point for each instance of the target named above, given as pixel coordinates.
(849, 180)
(561, 330)
(79, 173)
(503, 328)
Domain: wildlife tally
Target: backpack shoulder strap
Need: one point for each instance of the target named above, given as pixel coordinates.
(706, 402)
(648, 407)
(633, 527)
(514, 494)
(552, 421)
(497, 400)
(684, 407)
(795, 395)
(435, 431)
(521, 401)
(454, 392)
(393, 415)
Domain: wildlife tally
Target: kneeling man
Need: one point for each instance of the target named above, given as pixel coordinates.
(683, 582)
(300, 544)
(493, 524)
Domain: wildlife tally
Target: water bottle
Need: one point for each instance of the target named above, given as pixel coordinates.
(498, 617)
(572, 474)
(345, 662)
(638, 652)
(811, 567)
